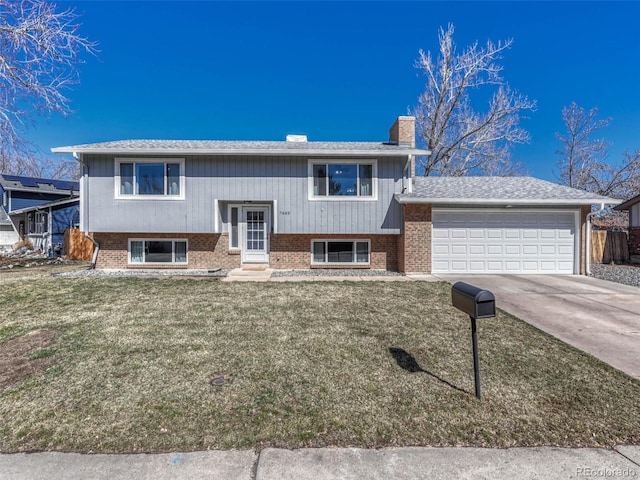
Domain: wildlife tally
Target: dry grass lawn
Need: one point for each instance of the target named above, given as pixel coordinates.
(137, 364)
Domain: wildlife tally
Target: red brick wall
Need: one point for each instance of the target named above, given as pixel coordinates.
(634, 240)
(294, 251)
(204, 250)
(415, 242)
(584, 211)
(212, 250)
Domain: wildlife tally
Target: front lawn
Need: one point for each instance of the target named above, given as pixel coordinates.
(148, 365)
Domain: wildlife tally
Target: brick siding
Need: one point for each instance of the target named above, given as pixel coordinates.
(414, 245)
(294, 251)
(584, 211)
(212, 250)
(204, 250)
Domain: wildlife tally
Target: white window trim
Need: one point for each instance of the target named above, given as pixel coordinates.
(343, 198)
(116, 176)
(173, 255)
(353, 240)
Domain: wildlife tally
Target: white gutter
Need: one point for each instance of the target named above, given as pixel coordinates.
(245, 151)
(505, 201)
(587, 260)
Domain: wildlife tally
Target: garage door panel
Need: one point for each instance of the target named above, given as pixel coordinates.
(512, 249)
(548, 250)
(440, 234)
(441, 250)
(565, 250)
(477, 250)
(495, 249)
(459, 250)
(513, 242)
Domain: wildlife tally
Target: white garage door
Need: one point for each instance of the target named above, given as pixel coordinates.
(503, 242)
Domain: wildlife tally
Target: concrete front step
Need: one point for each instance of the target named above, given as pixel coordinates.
(240, 274)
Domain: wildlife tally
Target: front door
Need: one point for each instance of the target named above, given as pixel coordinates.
(255, 225)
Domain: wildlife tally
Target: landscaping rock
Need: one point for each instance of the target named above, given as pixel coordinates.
(625, 274)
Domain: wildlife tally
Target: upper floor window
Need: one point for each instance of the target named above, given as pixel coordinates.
(339, 179)
(150, 178)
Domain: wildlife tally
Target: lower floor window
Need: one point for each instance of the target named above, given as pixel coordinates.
(340, 251)
(38, 223)
(157, 251)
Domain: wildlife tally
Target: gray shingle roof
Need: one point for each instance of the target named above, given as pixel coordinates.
(241, 147)
(497, 191)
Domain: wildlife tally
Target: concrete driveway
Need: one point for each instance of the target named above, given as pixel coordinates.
(598, 317)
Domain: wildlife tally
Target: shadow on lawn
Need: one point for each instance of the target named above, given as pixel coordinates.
(406, 361)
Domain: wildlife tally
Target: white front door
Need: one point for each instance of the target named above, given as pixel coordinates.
(255, 234)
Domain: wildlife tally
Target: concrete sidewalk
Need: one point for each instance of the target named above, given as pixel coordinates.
(332, 463)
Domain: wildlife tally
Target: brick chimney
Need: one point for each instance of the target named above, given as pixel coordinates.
(403, 131)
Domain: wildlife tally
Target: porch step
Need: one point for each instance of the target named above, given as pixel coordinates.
(240, 274)
(255, 267)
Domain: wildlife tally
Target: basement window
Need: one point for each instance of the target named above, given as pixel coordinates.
(340, 252)
(157, 251)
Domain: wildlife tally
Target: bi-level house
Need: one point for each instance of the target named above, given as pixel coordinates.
(298, 204)
(38, 210)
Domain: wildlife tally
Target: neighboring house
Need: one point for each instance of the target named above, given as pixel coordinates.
(38, 209)
(299, 204)
(7, 232)
(633, 206)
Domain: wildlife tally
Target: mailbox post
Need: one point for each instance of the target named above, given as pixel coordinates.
(476, 303)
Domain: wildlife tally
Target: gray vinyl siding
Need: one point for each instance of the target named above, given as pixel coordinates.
(238, 179)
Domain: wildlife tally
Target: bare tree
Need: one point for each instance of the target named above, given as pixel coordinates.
(39, 166)
(584, 161)
(462, 140)
(581, 153)
(40, 51)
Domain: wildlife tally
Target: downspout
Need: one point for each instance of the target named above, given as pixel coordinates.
(408, 188)
(96, 245)
(587, 260)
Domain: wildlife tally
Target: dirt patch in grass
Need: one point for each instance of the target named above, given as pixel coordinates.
(25, 356)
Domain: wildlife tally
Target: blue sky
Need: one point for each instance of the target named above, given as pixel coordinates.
(336, 70)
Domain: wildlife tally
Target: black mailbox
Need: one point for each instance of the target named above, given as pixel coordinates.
(473, 301)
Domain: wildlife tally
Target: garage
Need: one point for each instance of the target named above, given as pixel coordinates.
(504, 241)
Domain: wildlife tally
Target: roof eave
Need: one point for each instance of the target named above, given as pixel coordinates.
(263, 152)
(505, 201)
(42, 206)
(38, 190)
(628, 204)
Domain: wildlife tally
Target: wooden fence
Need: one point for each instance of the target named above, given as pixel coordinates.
(608, 246)
(77, 246)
